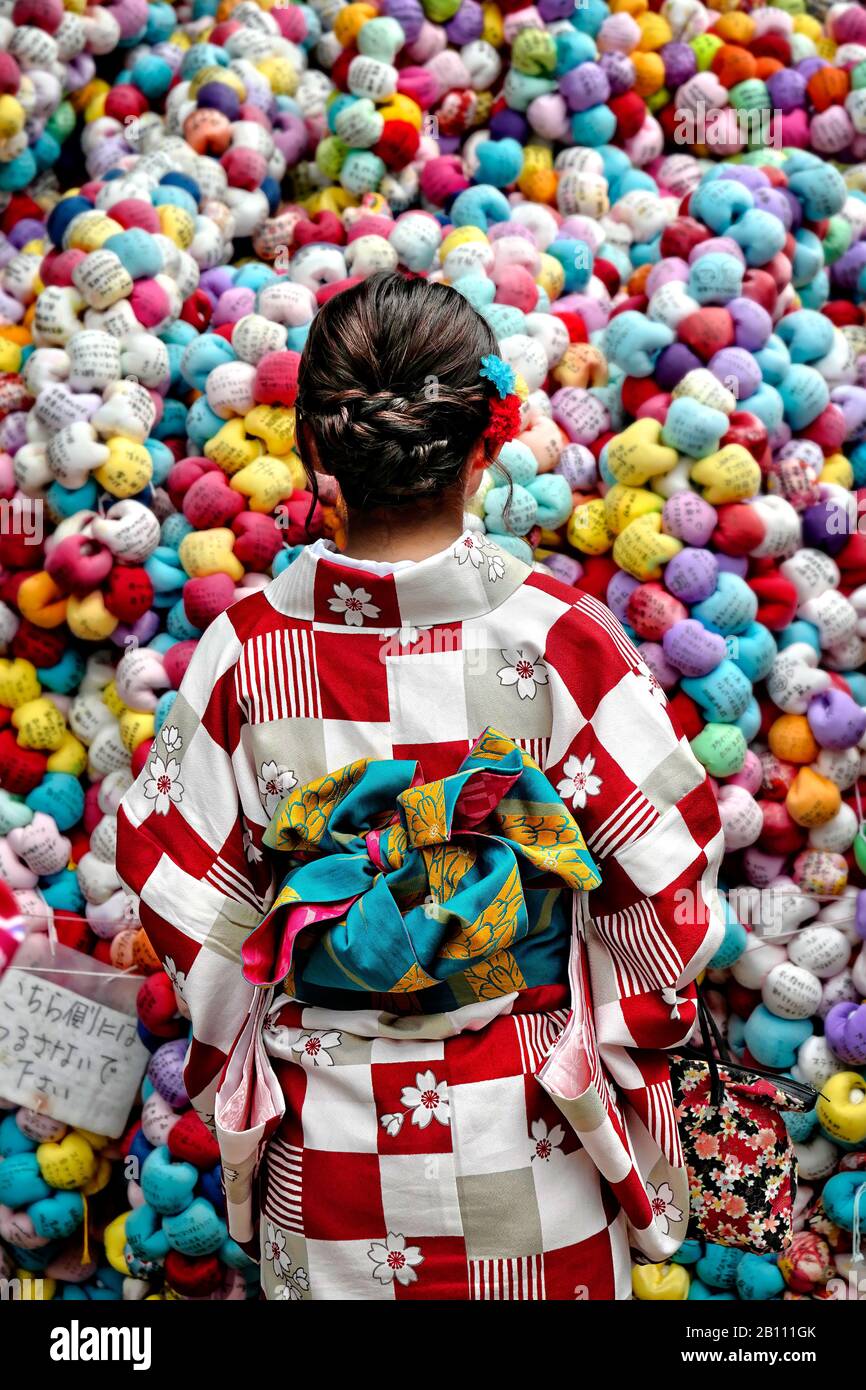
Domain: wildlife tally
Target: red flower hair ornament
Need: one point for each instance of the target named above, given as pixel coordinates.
(504, 421)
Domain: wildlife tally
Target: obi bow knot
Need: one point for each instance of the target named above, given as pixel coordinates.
(396, 884)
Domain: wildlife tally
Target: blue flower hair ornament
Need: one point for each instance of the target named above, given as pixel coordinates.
(499, 374)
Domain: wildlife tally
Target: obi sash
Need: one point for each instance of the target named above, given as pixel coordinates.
(398, 886)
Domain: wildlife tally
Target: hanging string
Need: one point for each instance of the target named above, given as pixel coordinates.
(85, 1248)
(856, 1252)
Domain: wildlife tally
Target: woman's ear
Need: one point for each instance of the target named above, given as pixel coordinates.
(475, 465)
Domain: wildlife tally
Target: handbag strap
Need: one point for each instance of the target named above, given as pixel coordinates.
(710, 1030)
(712, 1038)
(711, 1034)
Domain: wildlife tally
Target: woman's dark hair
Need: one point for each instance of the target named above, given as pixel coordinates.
(390, 391)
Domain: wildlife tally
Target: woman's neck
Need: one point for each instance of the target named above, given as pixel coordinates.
(403, 533)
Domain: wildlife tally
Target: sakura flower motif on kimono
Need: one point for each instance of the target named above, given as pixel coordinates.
(314, 1049)
(470, 547)
(164, 785)
(663, 1205)
(251, 849)
(405, 636)
(296, 1280)
(523, 669)
(545, 1142)
(670, 996)
(427, 1100)
(354, 604)
(177, 977)
(495, 565)
(394, 1259)
(580, 781)
(274, 782)
(477, 550)
(455, 874)
(172, 739)
(275, 1250)
(392, 1123)
(296, 1285)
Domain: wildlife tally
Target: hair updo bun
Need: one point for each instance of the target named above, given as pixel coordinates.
(389, 388)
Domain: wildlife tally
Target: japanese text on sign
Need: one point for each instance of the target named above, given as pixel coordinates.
(72, 1058)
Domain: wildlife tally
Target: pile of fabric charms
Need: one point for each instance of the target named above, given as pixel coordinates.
(660, 209)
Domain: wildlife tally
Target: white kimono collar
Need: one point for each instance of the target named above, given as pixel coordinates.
(469, 578)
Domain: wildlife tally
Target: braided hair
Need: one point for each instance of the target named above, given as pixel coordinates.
(389, 389)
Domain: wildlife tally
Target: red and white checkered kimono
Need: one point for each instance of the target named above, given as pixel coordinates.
(331, 663)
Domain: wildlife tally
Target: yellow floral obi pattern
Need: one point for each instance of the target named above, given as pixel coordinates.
(396, 885)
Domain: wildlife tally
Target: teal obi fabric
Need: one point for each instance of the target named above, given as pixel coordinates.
(427, 895)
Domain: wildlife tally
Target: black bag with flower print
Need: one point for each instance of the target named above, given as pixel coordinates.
(742, 1170)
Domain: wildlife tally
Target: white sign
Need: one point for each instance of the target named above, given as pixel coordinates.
(65, 1051)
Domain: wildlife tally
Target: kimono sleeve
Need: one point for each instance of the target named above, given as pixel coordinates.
(185, 849)
(650, 819)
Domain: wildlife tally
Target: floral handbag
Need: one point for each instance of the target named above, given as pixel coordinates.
(742, 1171)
